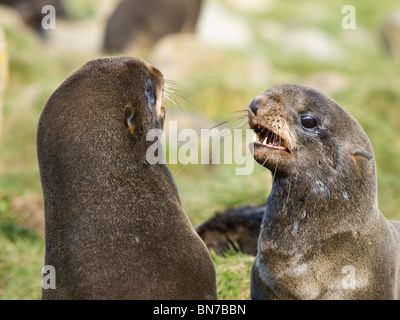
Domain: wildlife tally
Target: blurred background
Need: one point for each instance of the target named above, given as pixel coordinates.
(220, 54)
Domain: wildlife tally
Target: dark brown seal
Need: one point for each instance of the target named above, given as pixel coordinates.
(322, 236)
(114, 224)
(234, 229)
(137, 23)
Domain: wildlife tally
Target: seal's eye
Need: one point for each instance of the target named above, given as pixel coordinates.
(308, 122)
(150, 93)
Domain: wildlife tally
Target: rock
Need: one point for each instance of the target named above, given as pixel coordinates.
(221, 28)
(391, 35)
(311, 42)
(68, 36)
(65, 37)
(252, 6)
(303, 41)
(10, 17)
(329, 82)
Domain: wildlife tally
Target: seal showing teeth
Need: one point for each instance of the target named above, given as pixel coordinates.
(321, 218)
(270, 139)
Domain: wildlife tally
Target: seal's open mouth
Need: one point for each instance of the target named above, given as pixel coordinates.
(269, 139)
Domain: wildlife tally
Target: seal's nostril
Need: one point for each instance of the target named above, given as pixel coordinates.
(254, 106)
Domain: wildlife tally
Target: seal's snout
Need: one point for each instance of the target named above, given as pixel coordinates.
(267, 124)
(254, 106)
(272, 145)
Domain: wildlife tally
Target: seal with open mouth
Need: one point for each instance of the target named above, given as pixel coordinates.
(322, 235)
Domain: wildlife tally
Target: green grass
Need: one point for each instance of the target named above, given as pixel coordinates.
(21, 257)
(233, 275)
(220, 85)
(201, 197)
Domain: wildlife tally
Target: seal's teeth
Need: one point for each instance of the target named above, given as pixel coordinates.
(255, 137)
(265, 140)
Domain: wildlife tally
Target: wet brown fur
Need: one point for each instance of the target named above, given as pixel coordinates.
(137, 23)
(114, 224)
(322, 214)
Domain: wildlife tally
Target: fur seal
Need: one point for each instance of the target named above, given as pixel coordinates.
(31, 12)
(114, 224)
(322, 235)
(236, 228)
(137, 23)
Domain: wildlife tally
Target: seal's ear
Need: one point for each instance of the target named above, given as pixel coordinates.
(128, 114)
(359, 154)
(356, 151)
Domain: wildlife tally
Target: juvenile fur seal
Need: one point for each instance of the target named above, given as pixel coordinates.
(322, 235)
(236, 228)
(114, 224)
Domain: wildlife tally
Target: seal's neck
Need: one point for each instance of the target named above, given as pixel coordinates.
(303, 212)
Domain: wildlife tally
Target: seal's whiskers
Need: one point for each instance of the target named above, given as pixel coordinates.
(175, 91)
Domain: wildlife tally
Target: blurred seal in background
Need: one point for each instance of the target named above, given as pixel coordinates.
(140, 24)
(234, 229)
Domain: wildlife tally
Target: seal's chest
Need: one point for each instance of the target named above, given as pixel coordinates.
(297, 277)
(289, 277)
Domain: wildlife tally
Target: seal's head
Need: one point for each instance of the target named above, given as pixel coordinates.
(322, 210)
(152, 86)
(109, 101)
(304, 134)
(135, 81)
